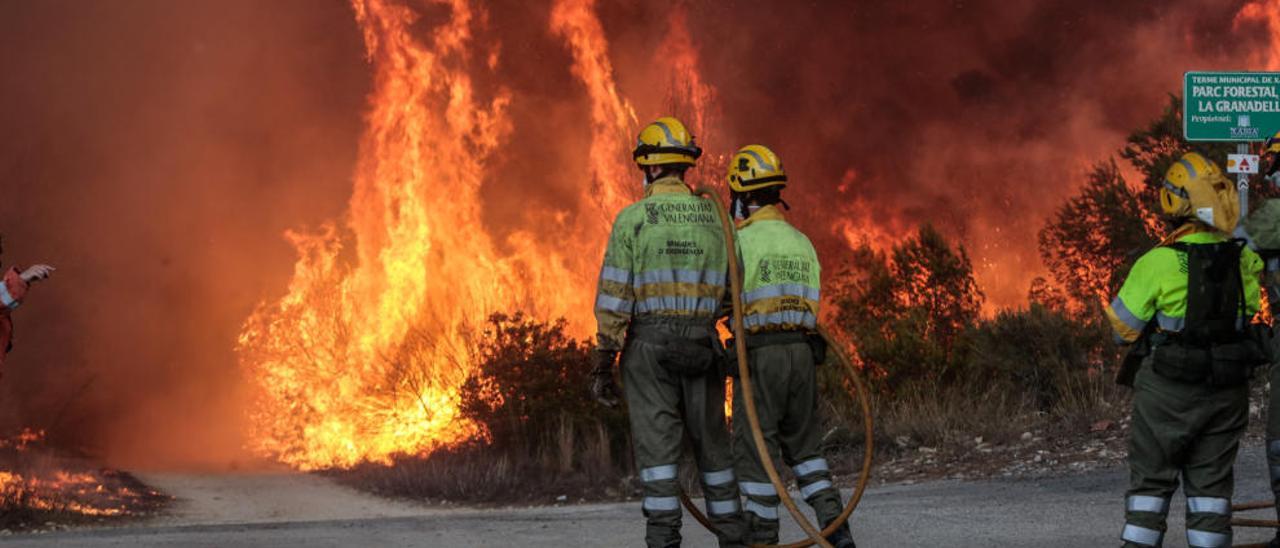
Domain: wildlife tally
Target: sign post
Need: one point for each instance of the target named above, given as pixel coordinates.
(1241, 107)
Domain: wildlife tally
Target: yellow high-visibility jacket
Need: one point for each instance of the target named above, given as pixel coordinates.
(666, 257)
(1156, 289)
(781, 282)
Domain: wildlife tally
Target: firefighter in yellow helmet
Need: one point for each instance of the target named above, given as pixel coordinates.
(1187, 305)
(781, 290)
(661, 285)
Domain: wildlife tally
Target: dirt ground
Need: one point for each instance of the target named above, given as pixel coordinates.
(287, 510)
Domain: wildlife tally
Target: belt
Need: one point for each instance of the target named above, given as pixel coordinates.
(661, 337)
(776, 338)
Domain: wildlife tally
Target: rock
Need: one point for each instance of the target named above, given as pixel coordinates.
(928, 450)
(562, 498)
(902, 441)
(1101, 426)
(1026, 436)
(977, 440)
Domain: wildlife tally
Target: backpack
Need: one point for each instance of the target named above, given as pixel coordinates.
(1217, 343)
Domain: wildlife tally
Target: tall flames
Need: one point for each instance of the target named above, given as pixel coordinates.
(361, 362)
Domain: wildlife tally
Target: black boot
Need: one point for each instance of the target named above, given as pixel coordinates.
(842, 538)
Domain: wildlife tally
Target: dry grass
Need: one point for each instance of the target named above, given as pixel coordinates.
(43, 488)
(577, 463)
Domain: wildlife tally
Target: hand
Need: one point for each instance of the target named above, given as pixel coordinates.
(603, 389)
(36, 273)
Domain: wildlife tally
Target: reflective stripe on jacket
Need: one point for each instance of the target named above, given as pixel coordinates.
(666, 257)
(1156, 289)
(781, 285)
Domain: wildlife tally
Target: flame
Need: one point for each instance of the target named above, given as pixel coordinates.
(37, 482)
(364, 362)
(613, 119)
(1267, 12)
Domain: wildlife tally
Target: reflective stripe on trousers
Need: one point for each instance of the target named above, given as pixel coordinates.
(813, 488)
(1141, 535)
(765, 512)
(722, 507)
(810, 466)
(1206, 539)
(718, 478)
(1144, 503)
(1209, 505)
(658, 473)
(754, 488)
(661, 504)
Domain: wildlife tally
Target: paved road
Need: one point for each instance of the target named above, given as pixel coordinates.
(1075, 511)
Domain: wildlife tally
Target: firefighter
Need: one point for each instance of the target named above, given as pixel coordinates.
(13, 289)
(781, 281)
(1187, 305)
(1263, 228)
(659, 292)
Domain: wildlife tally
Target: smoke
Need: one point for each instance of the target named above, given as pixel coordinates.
(156, 151)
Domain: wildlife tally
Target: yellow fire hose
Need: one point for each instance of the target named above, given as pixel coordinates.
(744, 377)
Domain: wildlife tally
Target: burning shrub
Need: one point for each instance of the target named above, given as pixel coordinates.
(1094, 237)
(904, 310)
(543, 435)
(531, 384)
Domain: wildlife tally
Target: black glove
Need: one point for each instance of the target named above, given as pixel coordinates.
(603, 389)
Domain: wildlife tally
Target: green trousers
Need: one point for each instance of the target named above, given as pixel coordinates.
(666, 408)
(784, 383)
(1189, 432)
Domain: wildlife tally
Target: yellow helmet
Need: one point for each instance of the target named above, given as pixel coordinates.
(1194, 187)
(1273, 144)
(666, 141)
(755, 167)
(1272, 150)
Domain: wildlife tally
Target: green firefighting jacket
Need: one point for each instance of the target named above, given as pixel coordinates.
(1157, 288)
(780, 281)
(666, 257)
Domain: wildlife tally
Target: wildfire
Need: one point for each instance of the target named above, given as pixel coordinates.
(37, 482)
(363, 362)
(1268, 12)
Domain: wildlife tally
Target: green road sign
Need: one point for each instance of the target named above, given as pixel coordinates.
(1230, 106)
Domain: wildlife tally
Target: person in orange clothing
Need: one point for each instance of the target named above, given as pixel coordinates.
(13, 289)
